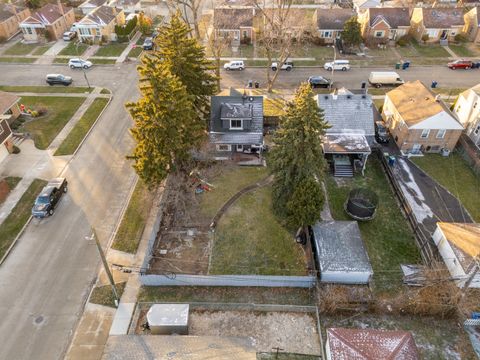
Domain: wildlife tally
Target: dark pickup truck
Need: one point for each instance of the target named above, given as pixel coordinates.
(50, 195)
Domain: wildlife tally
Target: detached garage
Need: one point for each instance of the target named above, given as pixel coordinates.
(341, 254)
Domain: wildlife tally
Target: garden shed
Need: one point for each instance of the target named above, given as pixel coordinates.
(340, 252)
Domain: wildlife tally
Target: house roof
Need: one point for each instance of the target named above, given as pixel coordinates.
(343, 143)
(348, 113)
(228, 18)
(48, 14)
(394, 17)
(340, 247)
(92, 3)
(102, 15)
(465, 236)
(371, 344)
(7, 100)
(365, 4)
(416, 103)
(8, 10)
(440, 18)
(122, 3)
(333, 19)
(6, 131)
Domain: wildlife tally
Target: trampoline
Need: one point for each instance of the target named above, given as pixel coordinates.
(361, 204)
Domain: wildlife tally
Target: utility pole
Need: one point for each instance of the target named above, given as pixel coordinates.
(105, 265)
(83, 69)
(333, 65)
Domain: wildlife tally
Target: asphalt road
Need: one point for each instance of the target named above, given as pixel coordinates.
(45, 280)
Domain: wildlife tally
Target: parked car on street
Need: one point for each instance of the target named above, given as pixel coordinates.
(319, 82)
(60, 79)
(69, 35)
(79, 63)
(382, 78)
(47, 201)
(287, 65)
(381, 132)
(460, 64)
(234, 65)
(148, 44)
(343, 65)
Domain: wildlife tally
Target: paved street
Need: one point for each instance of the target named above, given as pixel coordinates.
(46, 278)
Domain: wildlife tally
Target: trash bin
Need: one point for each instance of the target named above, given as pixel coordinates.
(250, 83)
(397, 65)
(391, 160)
(405, 65)
(434, 84)
(257, 84)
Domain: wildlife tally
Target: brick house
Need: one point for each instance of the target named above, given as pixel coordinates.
(380, 25)
(419, 121)
(10, 18)
(330, 23)
(99, 25)
(50, 22)
(235, 23)
(9, 111)
(437, 23)
(472, 24)
(467, 109)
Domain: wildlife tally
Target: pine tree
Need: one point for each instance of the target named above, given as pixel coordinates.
(166, 125)
(305, 204)
(297, 154)
(351, 34)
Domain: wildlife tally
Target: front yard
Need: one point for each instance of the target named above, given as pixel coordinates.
(20, 49)
(113, 50)
(73, 49)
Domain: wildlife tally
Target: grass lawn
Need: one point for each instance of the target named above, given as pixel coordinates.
(434, 51)
(7, 184)
(20, 49)
(41, 50)
(103, 295)
(46, 89)
(461, 50)
(105, 91)
(111, 50)
(131, 228)
(407, 51)
(46, 127)
(102, 61)
(454, 173)
(227, 294)
(388, 239)
(14, 222)
(11, 59)
(12, 181)
(80, 130)
(58, 60)
(135, 52)
(71, 49)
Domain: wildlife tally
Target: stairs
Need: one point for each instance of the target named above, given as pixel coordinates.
(342, 170)
(17, 139)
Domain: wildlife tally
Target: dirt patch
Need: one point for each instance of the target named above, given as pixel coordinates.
(4, 190)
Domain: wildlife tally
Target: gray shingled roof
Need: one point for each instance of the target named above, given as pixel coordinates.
(230, 107)
(103, 15)
(333, 19)
(440, 18)
(340, 247)
(395, 17)
(348, 114)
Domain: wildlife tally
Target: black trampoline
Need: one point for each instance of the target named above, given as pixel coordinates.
(361, 204)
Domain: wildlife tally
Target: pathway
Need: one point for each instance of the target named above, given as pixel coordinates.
(450, 51)
(126, 51)
(48, 57)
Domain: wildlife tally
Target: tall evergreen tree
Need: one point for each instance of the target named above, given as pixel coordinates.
(306, 203)
(166, 125)
(352, 34)
(297, 154)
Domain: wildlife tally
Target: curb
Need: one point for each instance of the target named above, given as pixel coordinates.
(12, 245)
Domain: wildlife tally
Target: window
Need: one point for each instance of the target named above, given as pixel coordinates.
(326, 34)
(29, 31)
(477, 130)
(379, 34)
(236, 125)
(245, 34)
(475, 105)
(223, 148)
(432, 33)
(425, 133)
(441, 133)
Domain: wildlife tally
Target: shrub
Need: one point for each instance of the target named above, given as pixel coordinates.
(246, 40)
(425, 38)
(34, 113)
(461, 38)
(42, 111)
(404, 40)
(380, 109)
(317, 40)
(15, 149)
(3, 39)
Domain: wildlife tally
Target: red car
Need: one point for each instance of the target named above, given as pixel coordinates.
(460, 64)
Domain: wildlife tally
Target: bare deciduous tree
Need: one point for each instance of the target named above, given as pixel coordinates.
(185, 6)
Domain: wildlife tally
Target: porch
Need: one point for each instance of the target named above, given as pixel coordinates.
(346, 154)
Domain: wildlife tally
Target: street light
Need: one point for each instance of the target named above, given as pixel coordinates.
(83, 69)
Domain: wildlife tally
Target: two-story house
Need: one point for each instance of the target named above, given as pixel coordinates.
(10, 18)
(99, 25)
(437, 23)
(90, 5)
(419, 121)
(236, 24)
(467, 109)
(330, 23)
(379, 25)
(472, 24)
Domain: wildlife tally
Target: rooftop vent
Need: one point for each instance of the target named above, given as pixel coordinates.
(349, 96)
(364, 96)
(326, 97)
(250, 98)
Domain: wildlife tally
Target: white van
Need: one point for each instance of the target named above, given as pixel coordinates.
(234, 65)
(343, 65)
(380, 78)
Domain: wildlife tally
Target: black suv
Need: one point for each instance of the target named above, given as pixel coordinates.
(46, 202)
(381, 132)
(319, 82)
(53, 79)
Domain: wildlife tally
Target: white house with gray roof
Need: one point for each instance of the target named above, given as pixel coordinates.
(99, 24)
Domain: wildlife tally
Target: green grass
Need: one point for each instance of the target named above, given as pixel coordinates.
(20, 49)
(81, 128)
(41, 50)
(12, 181)
(111, 50)
(103, 295)
(71, 49)
(227, 294)
(11, 59)
(105, 91)
(58, 60)
(103, 61)
(131, 228)
(250, 240)
(435, 51)
(388, 238)
(19, 215)
(135, 52)
(454, 173)
(45, 89)
(461, 50)
(46, 127)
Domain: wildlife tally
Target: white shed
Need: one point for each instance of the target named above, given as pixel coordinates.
(341, 254)
(167, 319)
(459, 246)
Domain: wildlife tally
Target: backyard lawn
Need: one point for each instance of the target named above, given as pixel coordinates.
(71, 49)
(20, 49)
(388, 238)
(111, 50)
(454, 173)
(59, 111)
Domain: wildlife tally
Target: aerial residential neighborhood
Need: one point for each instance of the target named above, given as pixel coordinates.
(240, 179)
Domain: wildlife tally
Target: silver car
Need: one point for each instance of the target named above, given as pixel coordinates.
(79, 63)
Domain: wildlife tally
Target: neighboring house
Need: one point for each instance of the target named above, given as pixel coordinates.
(352, 130)
(99, 25)
(10, 18)
(459, 246)
(330, 23)
(419, 121)
(90, 5)
(383, 24)
(128, 6)
(472, 24)
(370, 344)
(467, 109)
(235, 24)
(50, 22)
(437, 23)
(9, 106)
(362, 5)
(340, 253)
(236, 123)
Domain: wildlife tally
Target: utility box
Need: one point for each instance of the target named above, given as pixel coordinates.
(168, 319)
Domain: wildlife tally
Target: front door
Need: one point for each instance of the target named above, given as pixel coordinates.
(444, 35)
(393, 34)
(239, 148)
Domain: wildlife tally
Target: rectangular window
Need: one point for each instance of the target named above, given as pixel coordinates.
(441, 133)
(477, 130)
(425, 133)
(223, 148)
(236, 125)
(29, 31)
(326, 34)
(432, 33)
(379, 34)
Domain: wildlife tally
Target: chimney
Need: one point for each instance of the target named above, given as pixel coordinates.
(60, 7)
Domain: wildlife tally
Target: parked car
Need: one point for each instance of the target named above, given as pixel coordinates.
(69, 35)
(234, 65)
(319, 82)
(343, 65)
(46, 202)
(460, 64)
(381, 78)
(148, 44)
(60, 79)
(287, 65)
(79, 63)
(381, 132)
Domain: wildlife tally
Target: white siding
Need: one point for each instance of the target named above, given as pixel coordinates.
(345, 277)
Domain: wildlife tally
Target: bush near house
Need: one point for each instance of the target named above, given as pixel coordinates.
(462, 38)
(125, 30)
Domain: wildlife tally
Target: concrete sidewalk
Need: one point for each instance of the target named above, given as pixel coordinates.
(125, 52)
